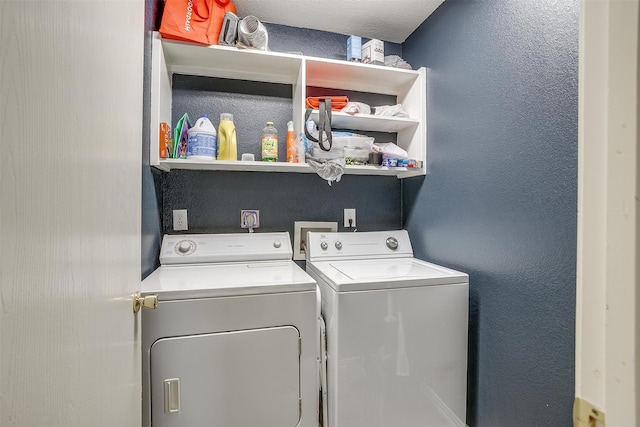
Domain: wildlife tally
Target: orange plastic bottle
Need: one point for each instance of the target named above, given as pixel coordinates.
(291, 144)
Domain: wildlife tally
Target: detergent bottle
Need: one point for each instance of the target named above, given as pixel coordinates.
(227, 138)
(291, 144)
(201, 140)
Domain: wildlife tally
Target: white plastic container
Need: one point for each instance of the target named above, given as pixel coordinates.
(353, 148)
(357, 154)
(334, 153)
(357, 142)
(202, 140)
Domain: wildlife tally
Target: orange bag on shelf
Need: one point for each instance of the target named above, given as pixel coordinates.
(337, 102)
(197, 21)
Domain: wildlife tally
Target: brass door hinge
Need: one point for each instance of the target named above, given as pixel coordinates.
(585, 414)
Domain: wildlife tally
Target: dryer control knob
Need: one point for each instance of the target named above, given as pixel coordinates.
(277, 244)
(338, 245)
(324, 246)
(392, 243)
(184, 246)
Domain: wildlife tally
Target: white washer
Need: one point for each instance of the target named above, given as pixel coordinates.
(396, 332)
(234, 339)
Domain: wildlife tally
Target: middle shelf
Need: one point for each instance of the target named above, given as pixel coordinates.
(368, 122)
(255, 166)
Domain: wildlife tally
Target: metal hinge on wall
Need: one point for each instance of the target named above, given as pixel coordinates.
(585, 414)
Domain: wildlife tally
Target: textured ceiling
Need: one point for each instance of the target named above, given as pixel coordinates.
(387, 20)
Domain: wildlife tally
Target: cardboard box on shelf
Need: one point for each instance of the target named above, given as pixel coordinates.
(373, 52)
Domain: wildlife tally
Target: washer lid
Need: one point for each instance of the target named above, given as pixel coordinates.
(359, 275)
(214, 280)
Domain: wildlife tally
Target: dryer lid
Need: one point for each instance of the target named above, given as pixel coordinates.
(226, 279)
(372, 274)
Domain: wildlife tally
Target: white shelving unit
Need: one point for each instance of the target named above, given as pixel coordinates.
(408, 86)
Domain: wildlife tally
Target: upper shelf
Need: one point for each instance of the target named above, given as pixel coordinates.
(231, 62)
(275, 67)
(359, 77)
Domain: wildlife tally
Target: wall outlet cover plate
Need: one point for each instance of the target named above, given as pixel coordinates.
(249, 218)
(300, 232)
(180, 220)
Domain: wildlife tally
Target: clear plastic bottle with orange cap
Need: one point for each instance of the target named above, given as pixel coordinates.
(291, 144)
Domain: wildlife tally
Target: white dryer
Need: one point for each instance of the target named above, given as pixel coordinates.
(396, 332)
(234, 339)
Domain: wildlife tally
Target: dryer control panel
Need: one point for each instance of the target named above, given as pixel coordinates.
(349, 245)
(208, 248)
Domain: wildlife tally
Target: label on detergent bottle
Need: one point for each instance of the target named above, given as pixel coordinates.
(202, 144)
(270, 149)
(269, 143)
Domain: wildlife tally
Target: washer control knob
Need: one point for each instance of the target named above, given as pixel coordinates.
(324, 246)
(277, 244)
(392, 243)
(338, 245)
(184, 246)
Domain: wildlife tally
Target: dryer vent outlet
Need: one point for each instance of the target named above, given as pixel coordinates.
(249, 219)
(300, 234)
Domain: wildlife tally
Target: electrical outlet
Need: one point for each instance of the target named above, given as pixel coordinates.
(180, 220)
(349, 218)
(300, 234)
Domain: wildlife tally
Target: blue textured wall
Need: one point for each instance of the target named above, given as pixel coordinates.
(499, 201)
(282, 198)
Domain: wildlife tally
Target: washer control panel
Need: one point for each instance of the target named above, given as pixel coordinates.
(327, 245)
(208, 248)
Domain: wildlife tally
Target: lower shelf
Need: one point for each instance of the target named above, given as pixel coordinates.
(243, 166)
